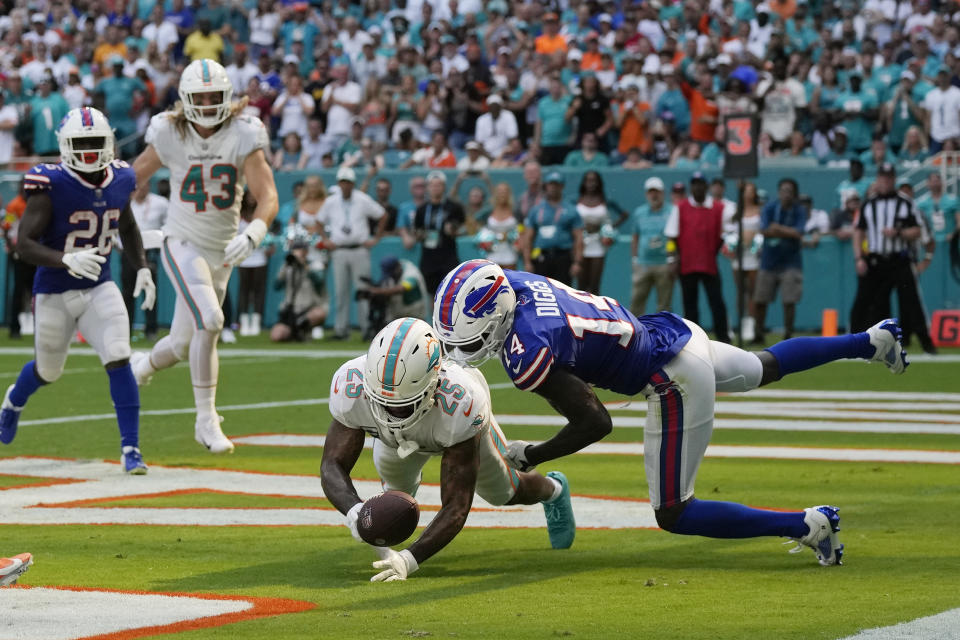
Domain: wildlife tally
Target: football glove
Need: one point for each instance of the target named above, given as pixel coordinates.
(517, 455)
(397, 566)
(244, 243)
(84, 263)
(351, 521)
(145, 286)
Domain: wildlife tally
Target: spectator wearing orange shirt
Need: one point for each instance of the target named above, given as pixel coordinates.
(113, 46)
(591, 60)
(783, 8)
(704, 114)
(551, 41)
(437, 156)
(632, 119)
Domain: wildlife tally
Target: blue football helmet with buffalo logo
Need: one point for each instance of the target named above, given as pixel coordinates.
(473, 311)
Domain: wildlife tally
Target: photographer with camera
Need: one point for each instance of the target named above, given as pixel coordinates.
(304, 306)
(401, 293)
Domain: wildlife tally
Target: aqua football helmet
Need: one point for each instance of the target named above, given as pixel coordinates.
(402, 372)
(473, 312)
(202, 77)
(86, 140)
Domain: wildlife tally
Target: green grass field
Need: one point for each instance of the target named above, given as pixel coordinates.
(899, 520)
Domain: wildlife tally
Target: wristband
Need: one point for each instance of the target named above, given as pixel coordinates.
(256, 231)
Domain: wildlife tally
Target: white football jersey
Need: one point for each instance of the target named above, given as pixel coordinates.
(206, 177)
(461, 409)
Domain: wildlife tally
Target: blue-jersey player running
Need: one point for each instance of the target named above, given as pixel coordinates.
(74, 210)
(558, 341)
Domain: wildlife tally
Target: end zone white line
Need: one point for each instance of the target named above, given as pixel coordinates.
(942, 626)
(713, 451)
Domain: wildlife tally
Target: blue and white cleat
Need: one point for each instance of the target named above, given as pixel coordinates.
(885, 337)
(561, 525)
(132, 461)
(12, 568)
(140, 364)
(9, 417)
(822, 538)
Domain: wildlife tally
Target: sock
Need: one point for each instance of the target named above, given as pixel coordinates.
(730, 520)
(27, 384)
(126, 402)
(800, 354)
(204, 371)
(557, 489)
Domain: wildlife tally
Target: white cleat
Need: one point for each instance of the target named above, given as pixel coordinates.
(824, 522)
(885, 337)
(207, 432)
(12, 568)
(227, 336)
(142, 370)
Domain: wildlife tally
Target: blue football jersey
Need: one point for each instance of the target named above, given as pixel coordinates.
(591, 336)
(84, 216)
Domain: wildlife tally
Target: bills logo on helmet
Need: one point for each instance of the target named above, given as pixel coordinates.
(482, 301)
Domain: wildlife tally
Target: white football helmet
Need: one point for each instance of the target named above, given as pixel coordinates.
(205, 76)
(473, 312)
(402, 372)
(86, 140)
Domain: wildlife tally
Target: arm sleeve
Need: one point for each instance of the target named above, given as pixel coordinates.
(672, 228)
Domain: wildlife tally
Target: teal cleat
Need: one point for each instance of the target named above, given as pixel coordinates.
(561, 525)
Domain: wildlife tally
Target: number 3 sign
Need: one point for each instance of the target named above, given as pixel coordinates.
(740, 145)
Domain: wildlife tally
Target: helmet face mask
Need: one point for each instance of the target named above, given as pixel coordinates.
(473, 312)
(206, 93)
(86, 140)
(402, 373)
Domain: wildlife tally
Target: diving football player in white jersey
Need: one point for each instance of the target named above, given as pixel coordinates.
(418, 406)
(211, 150)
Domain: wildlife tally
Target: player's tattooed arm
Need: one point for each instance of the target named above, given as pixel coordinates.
(588, 419)
(36, 219)
(459, 467)
(340, 453)
(130, 237)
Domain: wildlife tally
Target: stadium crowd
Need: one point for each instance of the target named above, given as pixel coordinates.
(478, 84)
(581, 83)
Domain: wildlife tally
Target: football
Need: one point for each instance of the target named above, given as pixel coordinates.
(388, 519)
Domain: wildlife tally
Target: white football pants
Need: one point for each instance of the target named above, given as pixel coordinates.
(680, 411)
(99, 313)
(496, 481)
(200, 280)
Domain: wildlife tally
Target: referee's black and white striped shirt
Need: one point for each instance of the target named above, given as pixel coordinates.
(887, 212)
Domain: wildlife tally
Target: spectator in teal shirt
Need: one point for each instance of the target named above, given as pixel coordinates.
(942, 210)
(673, 102)
(649, 250)
(553, 237)
(903, 110)
(860, 108)
(588, 156)
(856, 181)
(877, 154)
(118, 94)
(47, 109)
(299, 29)
(553, 130)
(914, 150)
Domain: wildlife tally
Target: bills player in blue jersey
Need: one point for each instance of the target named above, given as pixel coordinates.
(75, 209)
(558, 341)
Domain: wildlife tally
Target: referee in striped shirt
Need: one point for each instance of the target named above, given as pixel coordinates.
(883, 238)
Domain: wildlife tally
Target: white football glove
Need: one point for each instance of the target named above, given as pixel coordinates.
(517, 455)
(243, 244)
(397, 566)
(351, 521)
(145, 286)
(84, 263)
